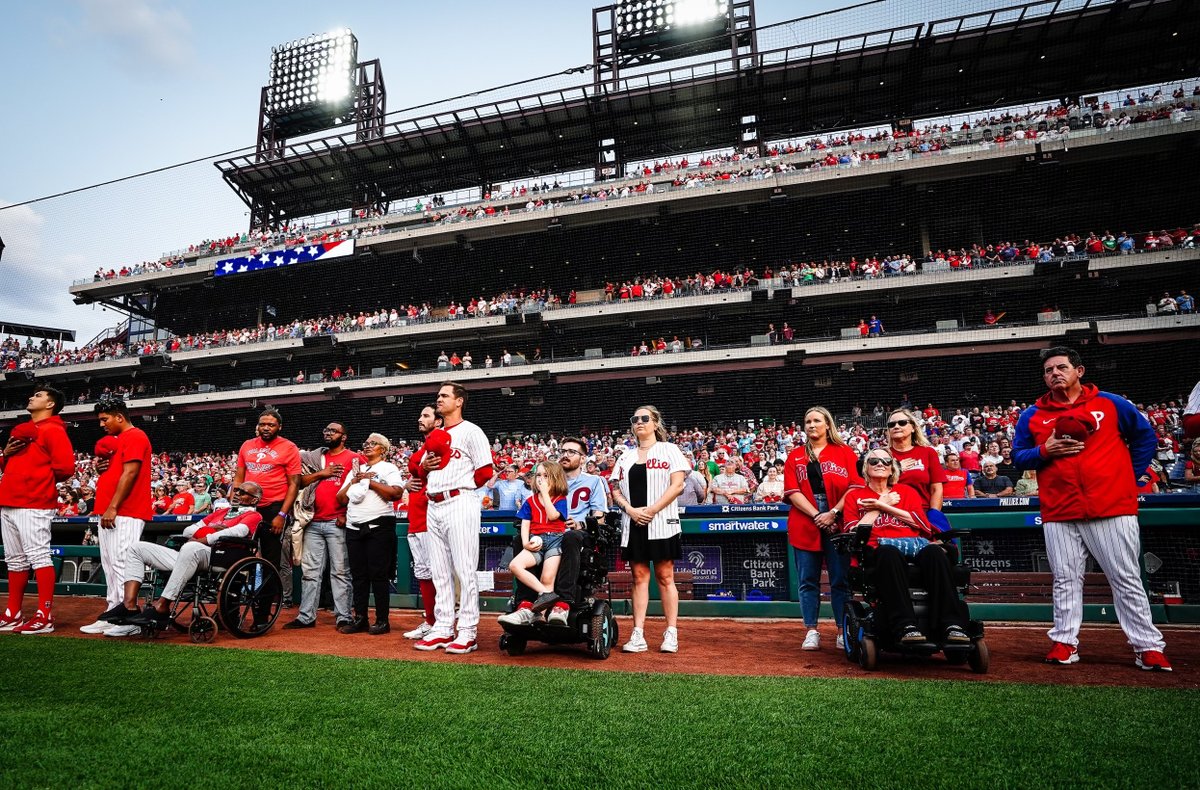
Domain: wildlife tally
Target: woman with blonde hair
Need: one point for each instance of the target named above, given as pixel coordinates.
(646, 483)
(920, 466)
(816, 478)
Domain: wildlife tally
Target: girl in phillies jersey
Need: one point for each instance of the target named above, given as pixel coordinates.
(543, 516)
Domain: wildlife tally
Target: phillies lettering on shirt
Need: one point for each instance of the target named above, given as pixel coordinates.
(469, 451)
(270, 465)
(586, 494)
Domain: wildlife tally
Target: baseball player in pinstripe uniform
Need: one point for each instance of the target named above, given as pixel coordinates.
(1089, 449)
(452, 522)
(36, 458)
(418, 533)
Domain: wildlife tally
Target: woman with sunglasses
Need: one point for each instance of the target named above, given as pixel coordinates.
(920, 466)
(899, 531)
(368, 494)
(646, 483)
(816, 477)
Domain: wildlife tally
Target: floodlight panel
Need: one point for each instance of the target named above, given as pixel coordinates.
(650, 25)
(312, 75)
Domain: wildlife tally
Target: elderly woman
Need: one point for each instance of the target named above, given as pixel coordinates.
(771, 488)
(368, 494)
(921, 468)
(816, 477)
(899, 530)
(646, 483)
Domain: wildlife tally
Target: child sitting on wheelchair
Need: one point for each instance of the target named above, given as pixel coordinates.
(543, 522)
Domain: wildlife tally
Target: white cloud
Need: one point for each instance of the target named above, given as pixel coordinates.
(145, 36)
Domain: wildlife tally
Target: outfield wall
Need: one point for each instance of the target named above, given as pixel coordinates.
(740, 562)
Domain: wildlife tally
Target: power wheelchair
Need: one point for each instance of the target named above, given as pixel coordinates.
(240, 591)
(590, 619)
(863, 632)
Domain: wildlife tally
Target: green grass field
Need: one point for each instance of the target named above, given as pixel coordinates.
(93, 713)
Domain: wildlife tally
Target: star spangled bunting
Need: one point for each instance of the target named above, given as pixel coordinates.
(276, 259)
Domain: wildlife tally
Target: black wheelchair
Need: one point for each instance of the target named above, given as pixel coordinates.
(240, 591)
(863, 633)
(590, 619)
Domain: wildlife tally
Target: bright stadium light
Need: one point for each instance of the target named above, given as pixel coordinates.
(649, 25)
(312, 81)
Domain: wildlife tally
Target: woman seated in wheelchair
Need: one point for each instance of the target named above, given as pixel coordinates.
(543, 522)
(899, 533)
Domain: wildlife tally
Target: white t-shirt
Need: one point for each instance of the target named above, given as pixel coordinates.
(366, 505)
(469, 450)
(662, 460)
(1193, 403)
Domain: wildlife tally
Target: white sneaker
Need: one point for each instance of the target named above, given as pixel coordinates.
(670, 643)
(98, 627)
(558, 616)
(420, 632)
(841, 641)
(518, 617)
(124, 630)
(636, 643)
(812, 641)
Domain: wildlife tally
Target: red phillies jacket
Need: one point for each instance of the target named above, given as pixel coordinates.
(31, 476)
(839, 471)
(1100, 482)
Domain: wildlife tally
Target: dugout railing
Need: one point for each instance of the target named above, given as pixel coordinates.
(737, 561)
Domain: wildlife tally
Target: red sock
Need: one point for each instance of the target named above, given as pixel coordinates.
(428, 593)
(526, 605)
(562, 605)
(16, 589)
(45, 587)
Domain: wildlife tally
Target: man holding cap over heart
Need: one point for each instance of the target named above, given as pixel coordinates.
(1090, 448)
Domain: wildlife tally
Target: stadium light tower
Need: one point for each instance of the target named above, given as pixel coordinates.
(633, 32)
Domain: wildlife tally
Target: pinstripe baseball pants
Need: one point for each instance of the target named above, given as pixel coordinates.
(114, 547)
(1115, 543)
(26, 533)
(452, 541)
(417, 546)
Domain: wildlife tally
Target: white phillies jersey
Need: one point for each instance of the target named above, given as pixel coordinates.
(469, 450)
(662, 460)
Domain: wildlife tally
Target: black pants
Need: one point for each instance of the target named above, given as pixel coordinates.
(270, 544)
(565, 581)
(891, 583)
(372, 553)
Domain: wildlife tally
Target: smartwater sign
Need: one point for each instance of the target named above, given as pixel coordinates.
(729, 525)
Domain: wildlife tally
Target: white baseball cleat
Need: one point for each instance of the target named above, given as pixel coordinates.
(124, 630)
(98, 627)
(420, 632)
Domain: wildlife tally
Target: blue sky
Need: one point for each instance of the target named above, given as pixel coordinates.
(100, 89)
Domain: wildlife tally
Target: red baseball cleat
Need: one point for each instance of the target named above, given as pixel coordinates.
(432, 642)
(459, 648)
(40, 623)
(9, 621)
(1062, 653)
(1153, 661)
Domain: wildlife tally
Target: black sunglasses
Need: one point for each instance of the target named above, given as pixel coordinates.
(875, 461)
(244, 492)
(894, 423)
(635, 419)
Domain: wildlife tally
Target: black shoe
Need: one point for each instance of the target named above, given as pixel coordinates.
(545, 601)
(151, 618)
(354, 627)
(118, 614)
(383, 627)
(298, 623)
(911, 635)
(287, 604)
(957, 636)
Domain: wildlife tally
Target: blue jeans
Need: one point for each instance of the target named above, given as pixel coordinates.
(808, 566)
(322, 538)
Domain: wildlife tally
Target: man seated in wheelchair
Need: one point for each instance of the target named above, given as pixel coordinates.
(239, 520)
(900, 533)
(543, 522)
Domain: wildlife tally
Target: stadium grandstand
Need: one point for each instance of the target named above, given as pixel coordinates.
(898, 215)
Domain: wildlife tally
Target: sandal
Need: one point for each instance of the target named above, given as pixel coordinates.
(911, 635)
(957, 636)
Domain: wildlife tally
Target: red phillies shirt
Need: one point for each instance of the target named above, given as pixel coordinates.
(325, 504)
(887, 525)
(132, 445)
(182, 504)
(955, 486)
(269, 465)
(920, 467)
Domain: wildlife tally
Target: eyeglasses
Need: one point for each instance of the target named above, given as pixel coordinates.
(873, 461)
(894, 423)
(572, 452)
(370, 443)
(635, 419)
(331, 431)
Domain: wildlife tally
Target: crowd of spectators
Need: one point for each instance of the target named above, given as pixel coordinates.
(735, 464)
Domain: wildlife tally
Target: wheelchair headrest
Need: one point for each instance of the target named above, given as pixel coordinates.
(937, 519)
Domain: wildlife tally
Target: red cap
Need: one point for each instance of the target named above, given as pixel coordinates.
(25, 431)
(106, 446)
(438, 443)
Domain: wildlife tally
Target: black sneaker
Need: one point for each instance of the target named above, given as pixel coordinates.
(545, 601)
(152, 618)
(298, 623)
(380, 628)
(118, 614)
(354, 627)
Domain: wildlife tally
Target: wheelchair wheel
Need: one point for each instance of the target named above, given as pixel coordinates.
(603, 631)
(979, 657)
(249, 597)
(868, 654)
(512, 644)
(852, 618)
(202, 630)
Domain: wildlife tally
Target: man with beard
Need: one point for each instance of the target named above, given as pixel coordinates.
(273, 463)
(325, 535)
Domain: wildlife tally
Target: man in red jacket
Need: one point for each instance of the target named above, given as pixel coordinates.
(1091, 450)
(36, 458)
